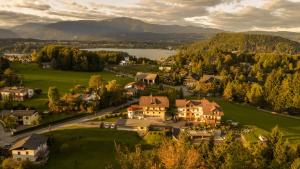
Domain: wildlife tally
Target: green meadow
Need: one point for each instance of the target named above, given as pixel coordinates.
(35, 77)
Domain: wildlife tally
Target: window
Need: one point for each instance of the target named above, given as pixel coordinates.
(19, 153)
(27, 152)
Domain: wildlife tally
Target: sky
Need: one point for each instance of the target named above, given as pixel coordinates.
(230, 15)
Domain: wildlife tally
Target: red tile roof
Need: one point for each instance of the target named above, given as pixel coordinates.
(207, 106)
(154, 101)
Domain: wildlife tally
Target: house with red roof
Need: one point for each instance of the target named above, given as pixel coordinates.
(199, 111)
(150, 106)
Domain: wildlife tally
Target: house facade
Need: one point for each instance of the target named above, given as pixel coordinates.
(190, 81)
(16, 93)
(146, 78)
(134, 88)
(149, 106)
(199, 111)
(32, 148)
(24, 117)
(154, 106)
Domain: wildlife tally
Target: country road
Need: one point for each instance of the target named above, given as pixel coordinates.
(6, 138)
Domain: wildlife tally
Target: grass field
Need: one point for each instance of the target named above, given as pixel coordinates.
(87, 148)
(248, 115)
(36, 77)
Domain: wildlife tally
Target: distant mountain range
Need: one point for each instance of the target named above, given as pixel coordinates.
(7, 34)
(118, 29)
(112, 29)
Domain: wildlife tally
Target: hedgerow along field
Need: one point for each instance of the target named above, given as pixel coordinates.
(35, 77)
(87, 148)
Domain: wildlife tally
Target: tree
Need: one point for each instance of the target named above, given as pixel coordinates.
(53, 94)
(9, 163)
(35, 57)
(296, 164)
(10, 122)
(228, 92)
(111, 86)
(181, 94)
(255, 95)
(95, 81)
(54, 98)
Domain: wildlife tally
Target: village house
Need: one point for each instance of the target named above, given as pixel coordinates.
(152, 106)
(199, 111)
(147, 78)
(125, 62)
(165, 68)
(24, 117)
(135, 111)
(33, 148)
(16, 93)
(190, 81)
(46, 65)
(134, 88)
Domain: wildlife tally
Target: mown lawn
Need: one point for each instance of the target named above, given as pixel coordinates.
(89, 148)
(248, 115)
(35, 77)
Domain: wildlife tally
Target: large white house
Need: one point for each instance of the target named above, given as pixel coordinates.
(32, 148)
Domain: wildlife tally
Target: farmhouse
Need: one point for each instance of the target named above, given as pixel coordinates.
(24, 117)
(199, 111)
(165, 68)
(152, 106)
(16, 93)
(147, 78)
(134, 88)
(190, 81)
(32, 148)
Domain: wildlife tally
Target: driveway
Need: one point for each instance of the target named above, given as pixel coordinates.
(8, 139)
(4, 137)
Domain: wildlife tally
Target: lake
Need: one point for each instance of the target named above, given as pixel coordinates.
(154, 54)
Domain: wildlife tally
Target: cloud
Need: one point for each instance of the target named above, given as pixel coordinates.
(273, 15)
(8, 18)
(36, 5)
(233, 15)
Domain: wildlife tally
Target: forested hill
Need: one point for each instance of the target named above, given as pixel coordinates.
(253, 43)
(258, 69)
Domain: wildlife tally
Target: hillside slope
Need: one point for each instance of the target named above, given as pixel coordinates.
(4, 33)
(253, 43)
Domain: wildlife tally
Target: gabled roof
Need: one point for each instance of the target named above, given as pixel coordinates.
(154, 101)
(207, 106)
(184, 102)
(148, 76)
(30, 143)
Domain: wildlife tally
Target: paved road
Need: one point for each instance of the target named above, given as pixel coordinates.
(6, 138)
